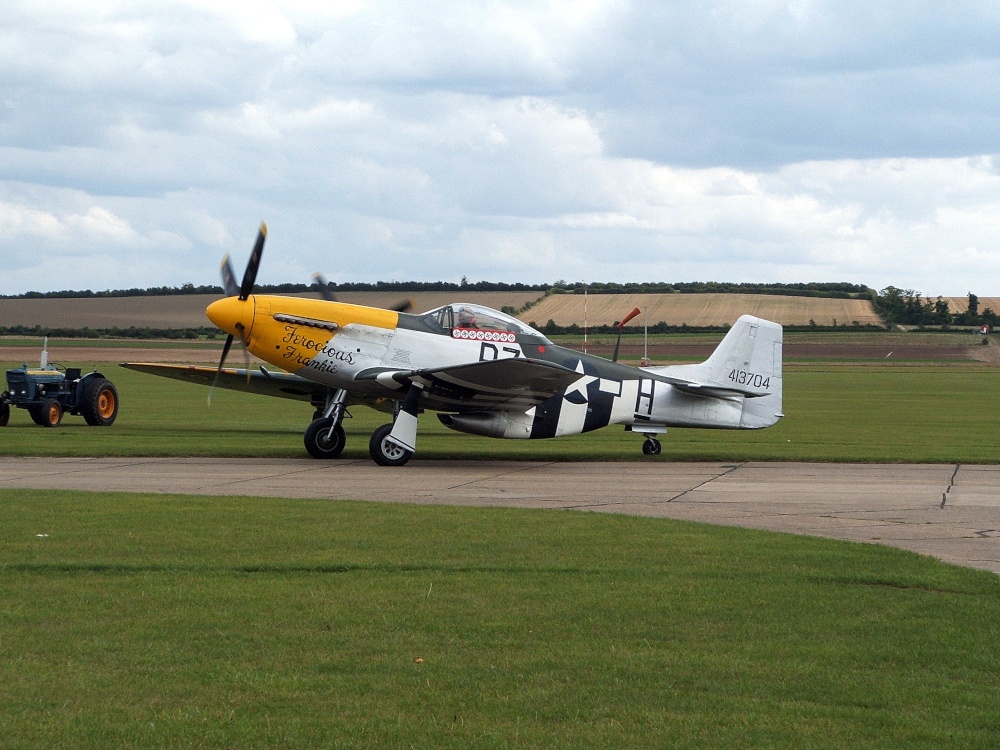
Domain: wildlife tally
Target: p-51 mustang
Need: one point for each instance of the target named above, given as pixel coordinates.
(486, 373)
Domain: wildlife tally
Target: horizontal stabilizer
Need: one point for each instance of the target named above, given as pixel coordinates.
(746, 365)
(711, 389)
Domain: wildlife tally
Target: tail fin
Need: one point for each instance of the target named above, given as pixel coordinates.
(747, 362)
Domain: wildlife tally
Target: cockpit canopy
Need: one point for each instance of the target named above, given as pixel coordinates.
(463, 315)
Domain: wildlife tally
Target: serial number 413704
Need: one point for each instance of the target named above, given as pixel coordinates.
(752, 379)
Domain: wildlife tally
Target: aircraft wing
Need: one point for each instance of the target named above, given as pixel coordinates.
(263, 382)
(510, 383)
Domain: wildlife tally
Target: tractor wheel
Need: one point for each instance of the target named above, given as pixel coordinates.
(100, 402)
(4, 414)
(37, 415)
(51, 413)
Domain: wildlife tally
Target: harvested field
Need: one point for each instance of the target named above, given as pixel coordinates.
(961, 304)
(701, 309)
(424, 301)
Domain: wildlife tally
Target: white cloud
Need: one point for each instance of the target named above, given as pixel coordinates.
(24, 223)
(596, 139)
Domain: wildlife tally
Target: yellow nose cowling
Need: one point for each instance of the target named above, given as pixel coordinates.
(233, 315)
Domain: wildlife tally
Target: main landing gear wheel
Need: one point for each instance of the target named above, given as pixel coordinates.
(321, 441)
(385, 453)
(651, 447)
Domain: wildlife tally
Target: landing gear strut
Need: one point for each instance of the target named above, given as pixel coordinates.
(325, 436)
(651, 447)
(393, 444)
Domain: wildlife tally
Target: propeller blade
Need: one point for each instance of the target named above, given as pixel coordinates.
(324, 288)
(614, 357)
(229, 284)
(250, 275)
(222, 362)
(326, 293)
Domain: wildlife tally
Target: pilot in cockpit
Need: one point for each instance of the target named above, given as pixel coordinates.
(466, 319)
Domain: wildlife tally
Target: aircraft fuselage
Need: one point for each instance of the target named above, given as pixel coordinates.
(377, 353)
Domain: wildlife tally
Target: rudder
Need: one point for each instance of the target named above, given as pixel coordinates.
(749, 359)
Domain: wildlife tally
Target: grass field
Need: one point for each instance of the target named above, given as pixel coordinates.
(134, 621)
(834, 412)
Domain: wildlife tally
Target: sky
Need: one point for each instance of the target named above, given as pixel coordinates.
(535, 142)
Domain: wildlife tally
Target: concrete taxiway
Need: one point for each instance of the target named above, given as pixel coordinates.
(949, 511)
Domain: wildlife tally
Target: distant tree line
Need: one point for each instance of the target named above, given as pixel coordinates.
(378, 286)
(154, 291)
(434, 286)
(833, 290)
(906, 307)
(551, 328)
(840, 290)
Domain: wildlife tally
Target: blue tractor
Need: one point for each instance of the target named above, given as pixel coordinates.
(48, 392)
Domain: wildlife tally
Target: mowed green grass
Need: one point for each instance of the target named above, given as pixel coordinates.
(164, 621)
(138, 621)
(833, 412)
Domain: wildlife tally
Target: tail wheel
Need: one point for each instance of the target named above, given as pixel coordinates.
(651, 447)
(100, 402)
(51, 413)
(384, 452)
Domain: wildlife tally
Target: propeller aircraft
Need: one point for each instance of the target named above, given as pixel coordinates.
(484, 372)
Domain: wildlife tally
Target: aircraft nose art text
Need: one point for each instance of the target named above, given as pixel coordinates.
(232, 315)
